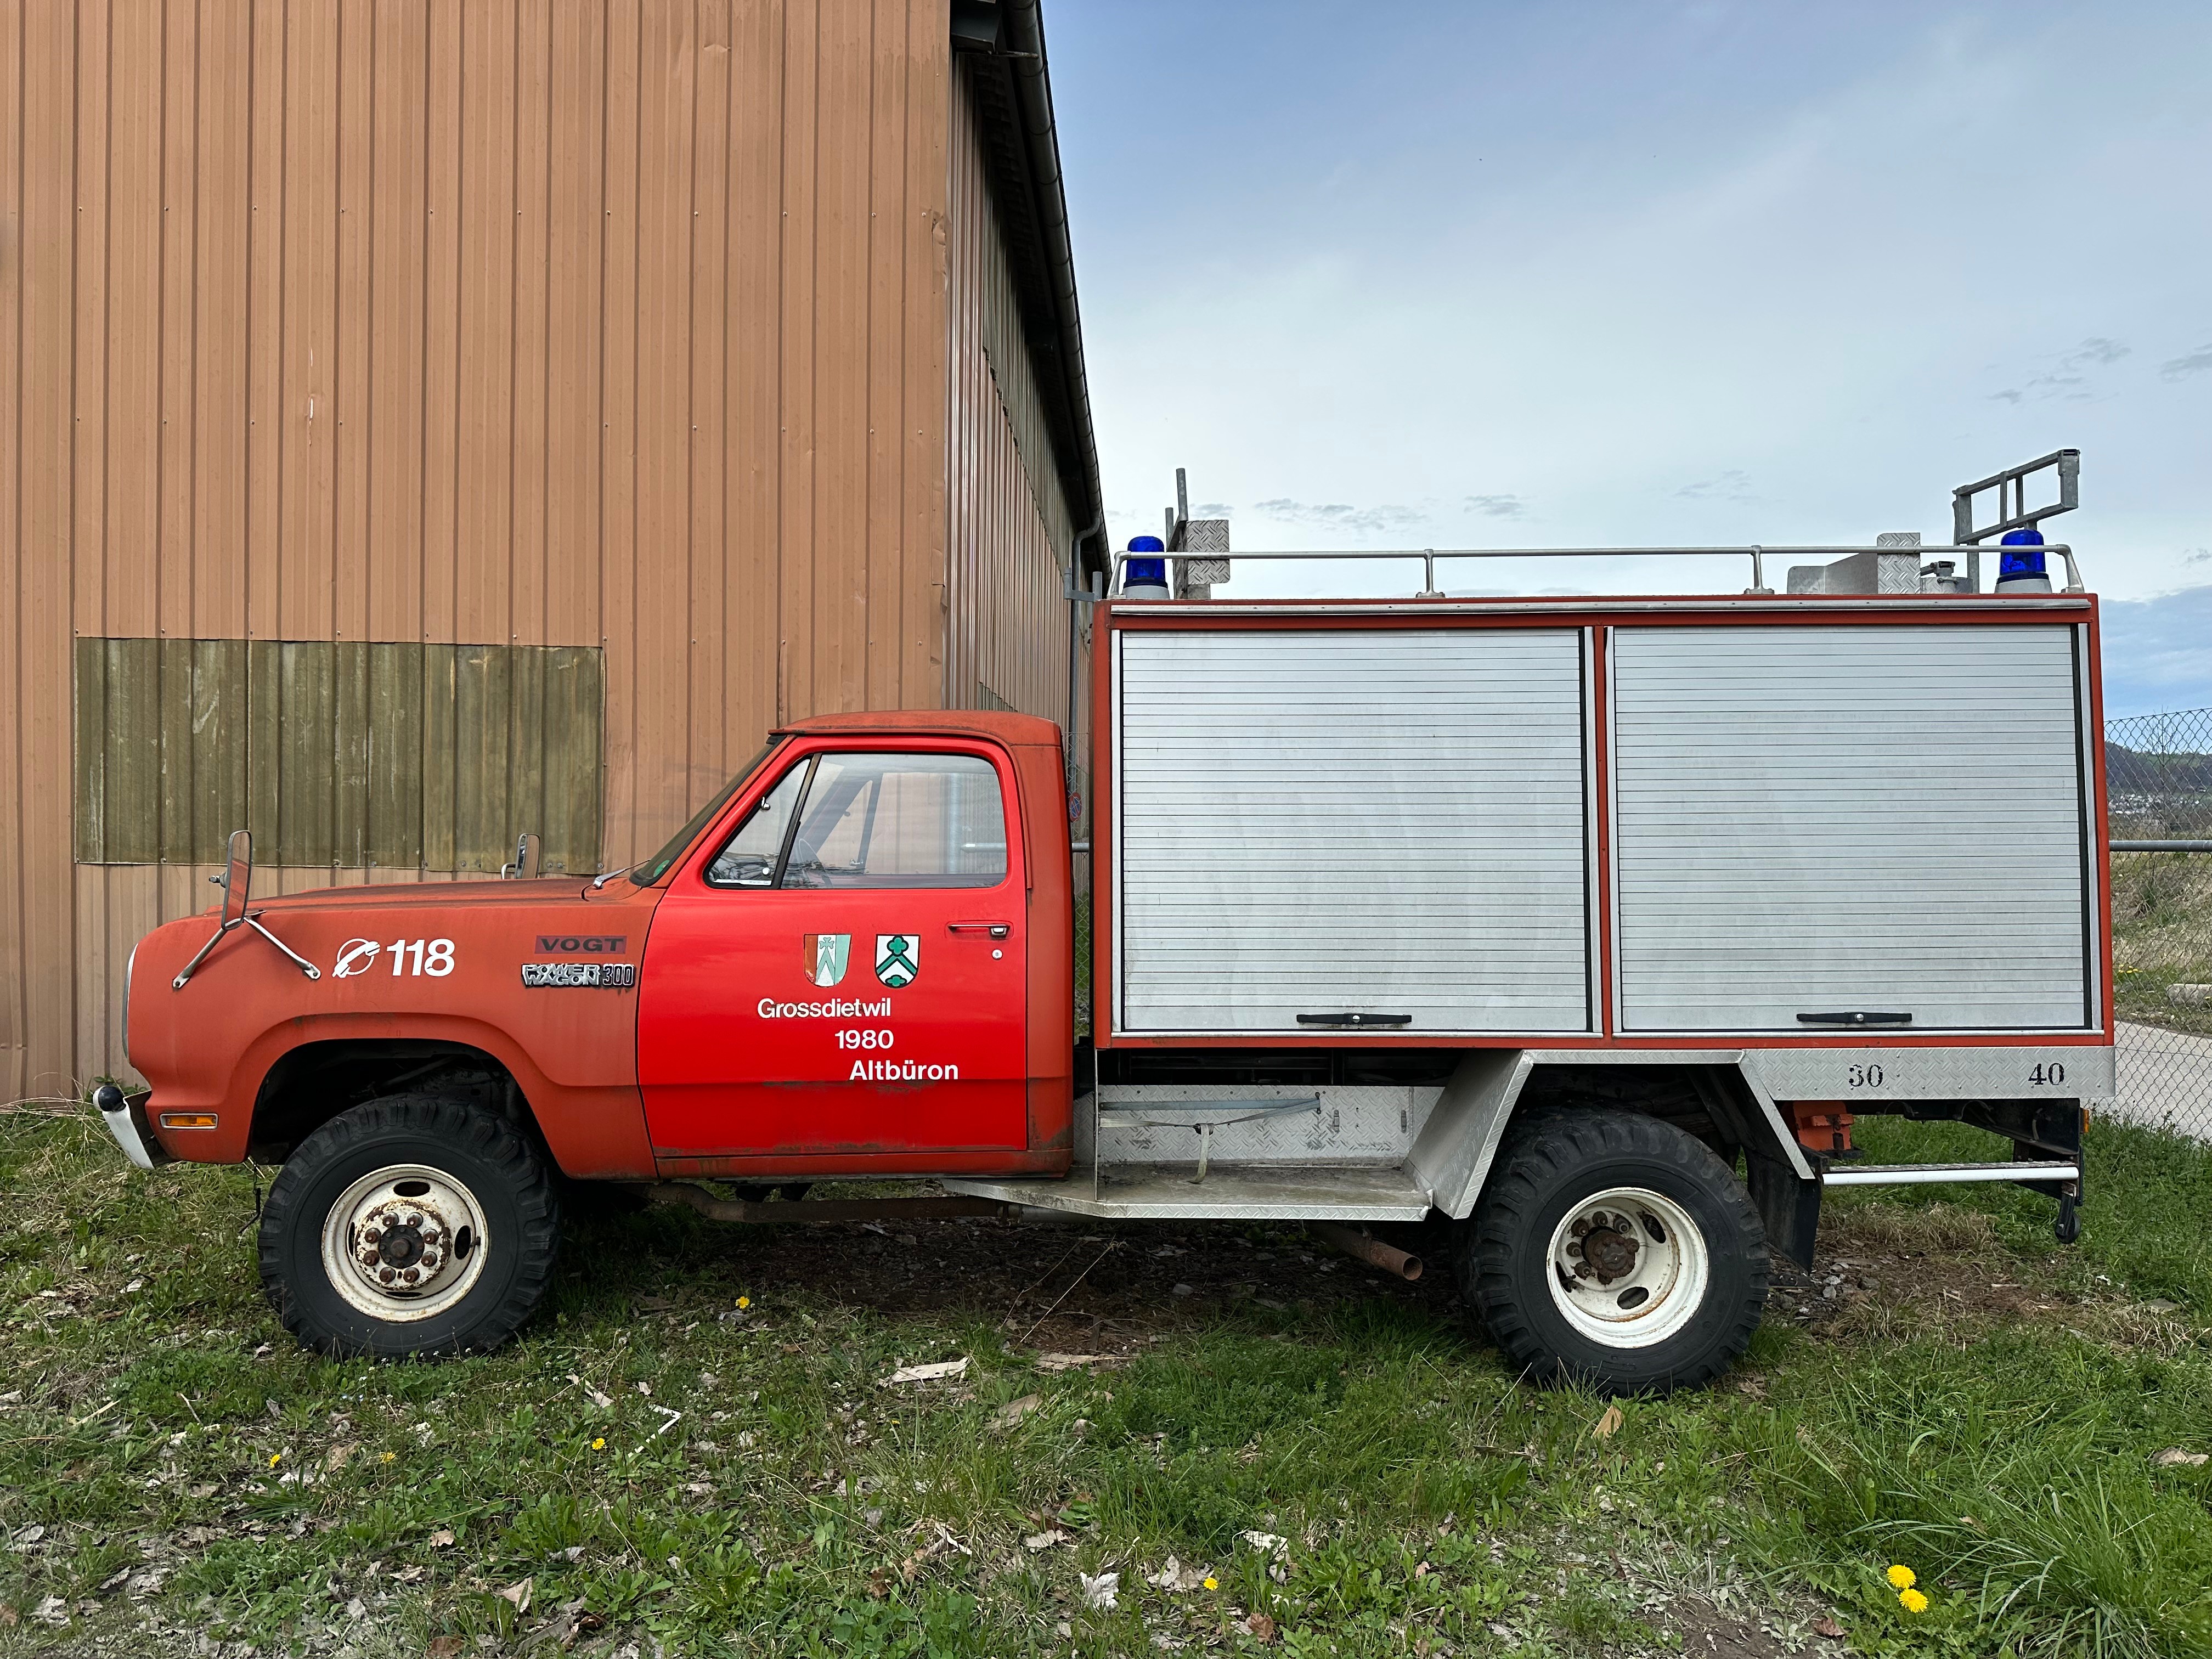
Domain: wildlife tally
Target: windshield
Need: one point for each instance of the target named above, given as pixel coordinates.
(658, 866)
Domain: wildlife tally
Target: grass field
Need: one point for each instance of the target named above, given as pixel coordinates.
(696, 1448)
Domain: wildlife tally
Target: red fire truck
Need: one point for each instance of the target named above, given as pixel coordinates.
(1587, 925)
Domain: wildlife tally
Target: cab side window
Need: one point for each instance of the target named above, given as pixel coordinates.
(873, 821)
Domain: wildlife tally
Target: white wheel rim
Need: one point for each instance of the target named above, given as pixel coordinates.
(404, 1242)
(1627, 1267)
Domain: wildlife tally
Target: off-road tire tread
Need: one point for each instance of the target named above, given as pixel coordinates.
(532, 1185)
(1552, 1144)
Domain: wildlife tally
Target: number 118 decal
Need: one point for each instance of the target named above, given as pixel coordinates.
(409, 956)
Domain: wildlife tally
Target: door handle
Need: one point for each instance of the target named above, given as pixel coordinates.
(995, 929)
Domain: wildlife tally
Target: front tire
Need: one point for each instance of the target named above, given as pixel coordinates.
(412, 1225)
(1613, 1250)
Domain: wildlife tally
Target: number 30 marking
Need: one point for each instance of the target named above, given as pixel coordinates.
(1866, 1076)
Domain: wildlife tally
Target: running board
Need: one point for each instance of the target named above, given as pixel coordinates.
(1922, 1174)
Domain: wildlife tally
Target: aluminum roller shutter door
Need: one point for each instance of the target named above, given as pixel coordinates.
(1382, 821)
(1820, 819)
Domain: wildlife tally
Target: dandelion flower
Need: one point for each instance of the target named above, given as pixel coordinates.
(600, 1444)
(273, 1456)
(1913, 1600)
(391, 1457)
(1214, 1584)
(1903, 1578)
(744, 1302)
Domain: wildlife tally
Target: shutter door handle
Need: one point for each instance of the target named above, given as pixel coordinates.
(1855, 1017)
(995, 929)
(1355, 1019)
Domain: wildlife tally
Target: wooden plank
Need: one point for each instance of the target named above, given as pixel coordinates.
(43, 261)
(220, 728)
(527, 762)
(222, 343)
(483, 576)
(889, 241)
(351, 706)
(307, 754)
(618, 465)
(704, 743)
(533, 119)
(308, 489)
(263, 325)
(87, 461)
(399, 205)
(91, 751)
(749, 620)
(395, 754)
(172, 759)
(264, 764)
(572, 765)
(443, 484)
(838, 550)
(441, 786)
(922, 542)
(668, 60)
(179, 269)
(797, 324)
(483, 682)
(130, 811)
(352, 368)
(15, 397)
(577, 251)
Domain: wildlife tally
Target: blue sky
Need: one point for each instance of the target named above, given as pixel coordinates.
(1597, 273)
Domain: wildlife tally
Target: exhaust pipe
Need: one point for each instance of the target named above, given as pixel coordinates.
(1373, 1251)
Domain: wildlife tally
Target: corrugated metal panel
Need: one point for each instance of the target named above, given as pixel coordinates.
(617, 324)
(419, 756)
(1009, 526)
(1821, 820)
(1388, 823)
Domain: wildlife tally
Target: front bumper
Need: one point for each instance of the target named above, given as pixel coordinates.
(126, 1122)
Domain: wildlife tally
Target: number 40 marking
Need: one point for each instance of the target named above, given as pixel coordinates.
(2050, 1073)
(434, 956)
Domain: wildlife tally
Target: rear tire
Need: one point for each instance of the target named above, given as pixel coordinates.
(1616, 1251)
(412, 1225)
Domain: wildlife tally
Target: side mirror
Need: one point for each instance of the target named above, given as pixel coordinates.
(524, 867)
(237, 879)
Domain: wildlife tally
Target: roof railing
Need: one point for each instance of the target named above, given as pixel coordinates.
(1430, 557)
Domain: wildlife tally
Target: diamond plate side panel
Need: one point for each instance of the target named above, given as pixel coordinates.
(1353, 1126)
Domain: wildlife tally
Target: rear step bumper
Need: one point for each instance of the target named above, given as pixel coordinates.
(1926, 1174)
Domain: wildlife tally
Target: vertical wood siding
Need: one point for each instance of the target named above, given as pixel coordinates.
(1008, 642)
(337, 753)
(617, 324)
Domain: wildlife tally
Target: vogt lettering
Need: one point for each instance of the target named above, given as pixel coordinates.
(609, 944)
(901, 1071)
(770, 1008)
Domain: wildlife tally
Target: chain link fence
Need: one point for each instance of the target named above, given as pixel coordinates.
(2158, 771)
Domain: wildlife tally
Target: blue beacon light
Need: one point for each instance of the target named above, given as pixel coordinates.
(1144, 578)
(2021, 568)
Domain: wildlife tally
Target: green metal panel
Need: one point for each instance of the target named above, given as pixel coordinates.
(341, 753)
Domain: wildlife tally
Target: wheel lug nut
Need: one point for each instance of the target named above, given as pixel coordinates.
(1574, 1248)
(1579, 1228)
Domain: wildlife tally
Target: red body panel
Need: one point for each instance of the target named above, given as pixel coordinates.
(208, 1047)
(745, 1055)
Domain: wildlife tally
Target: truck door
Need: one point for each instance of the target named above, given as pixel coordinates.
(842, 978)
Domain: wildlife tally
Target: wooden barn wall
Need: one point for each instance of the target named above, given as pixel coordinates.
(601, 323)
(1009, 528)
